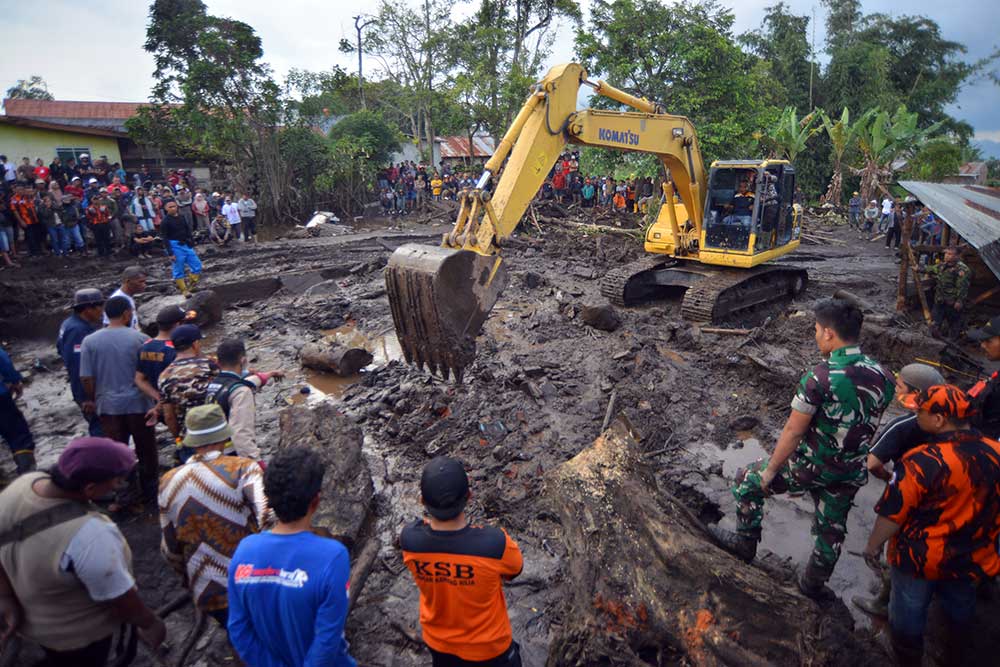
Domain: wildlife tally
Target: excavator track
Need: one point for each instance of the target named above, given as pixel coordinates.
(724, 293)
(623, 286)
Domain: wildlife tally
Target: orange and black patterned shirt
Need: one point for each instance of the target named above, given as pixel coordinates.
(945, 495)
(25, 209)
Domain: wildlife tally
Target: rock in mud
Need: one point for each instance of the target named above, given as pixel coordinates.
(603, 317)
(347, 484)
(208, 307)
(332, 358)
(148, 309)
(531, 279)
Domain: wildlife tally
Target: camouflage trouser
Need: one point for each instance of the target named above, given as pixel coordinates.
(832, 501)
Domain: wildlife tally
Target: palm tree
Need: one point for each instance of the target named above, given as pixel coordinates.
(789, 135)
(884, 140)
(843, 135)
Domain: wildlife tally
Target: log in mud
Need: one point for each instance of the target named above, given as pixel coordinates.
(644, 585)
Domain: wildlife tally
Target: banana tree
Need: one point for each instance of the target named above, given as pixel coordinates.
(884, 140)
(789, 135)
(843, 136)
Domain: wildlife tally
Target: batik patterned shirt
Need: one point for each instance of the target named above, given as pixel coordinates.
(207, 506)
(846, 395)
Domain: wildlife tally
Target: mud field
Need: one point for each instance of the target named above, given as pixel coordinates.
(704, 404)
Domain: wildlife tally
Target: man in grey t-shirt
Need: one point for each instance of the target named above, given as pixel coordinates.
(108, 360)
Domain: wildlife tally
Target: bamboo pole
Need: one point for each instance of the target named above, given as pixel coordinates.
(920, 290)
(904, 263)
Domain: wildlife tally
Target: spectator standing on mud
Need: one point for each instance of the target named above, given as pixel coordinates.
(88, 313)
(952, 277)
(896, 228)
(854, 211)
(158, 353)
(898, 437)
(985, 394)
(233, 390)
(66, 573)
(871, 215)
(886, 219)
(13, 426)
(248, 216)
(288, 586)
(184, 202)
(232, 213)
(7, 222)
(201, 211)
(941, 511)
(207, 506)
(133, 282)
(144, 210)
(108, 360)
(22, 205)
(181, 247)
(460, 569)
(827, 436)
(184, 381)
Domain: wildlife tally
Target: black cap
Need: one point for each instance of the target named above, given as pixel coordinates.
(88, 296)
(444, 487)
(184, 336)
(170, 315)
(991, 329)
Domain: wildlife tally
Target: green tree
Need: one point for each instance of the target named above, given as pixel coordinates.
(378, 138)
(214, 98)
(935, 160)
(32, 88)
(684, 56)
(843, 20)
(497, 55)
(788, 136)
(782, 42)
(843, 136)
(883, 140)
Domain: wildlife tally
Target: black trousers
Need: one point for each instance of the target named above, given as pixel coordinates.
(509, 658)
(894, 232)
(92, 655)
(947, 320)
(35, 236)
(120, 427)
(102, 237)
(14, 427)
(249, 227)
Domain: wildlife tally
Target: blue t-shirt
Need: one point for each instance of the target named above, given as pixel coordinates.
(154, 356)
(288, 601)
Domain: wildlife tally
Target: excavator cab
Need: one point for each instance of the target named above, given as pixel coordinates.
(749, 209)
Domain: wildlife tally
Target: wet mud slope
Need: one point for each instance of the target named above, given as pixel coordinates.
(700, 405)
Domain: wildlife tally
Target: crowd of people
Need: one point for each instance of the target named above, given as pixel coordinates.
(888, 218)
(407, 186)
(70, 208)
(236, 530)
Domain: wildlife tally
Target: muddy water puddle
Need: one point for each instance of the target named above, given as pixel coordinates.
(318, 386)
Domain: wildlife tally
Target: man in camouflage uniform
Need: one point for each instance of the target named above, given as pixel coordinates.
(825, 441)
(952, 277)
(184, 382)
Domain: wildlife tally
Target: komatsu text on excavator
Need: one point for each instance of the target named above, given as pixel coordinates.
(712, 238)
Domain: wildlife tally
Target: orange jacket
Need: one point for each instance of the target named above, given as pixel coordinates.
(460, 575)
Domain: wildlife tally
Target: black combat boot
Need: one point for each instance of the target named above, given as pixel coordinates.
(25, 461)
(742, 546)
(812, 583)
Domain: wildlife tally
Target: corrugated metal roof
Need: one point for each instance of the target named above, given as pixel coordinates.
(63, 126)
(971, 210)
(972, 168)
(458, 147)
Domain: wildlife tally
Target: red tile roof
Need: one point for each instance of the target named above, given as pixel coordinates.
(972, 168)
(71, 109)
(62, 127)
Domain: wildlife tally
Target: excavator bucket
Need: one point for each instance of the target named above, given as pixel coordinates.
(440, 298)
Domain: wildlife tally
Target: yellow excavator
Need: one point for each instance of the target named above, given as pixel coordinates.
(712, 237)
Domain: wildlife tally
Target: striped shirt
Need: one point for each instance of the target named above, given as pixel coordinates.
(207, 506)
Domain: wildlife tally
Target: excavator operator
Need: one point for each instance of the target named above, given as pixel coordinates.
(743, 204)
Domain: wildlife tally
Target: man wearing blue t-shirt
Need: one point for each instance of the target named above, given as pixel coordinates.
(288, 586)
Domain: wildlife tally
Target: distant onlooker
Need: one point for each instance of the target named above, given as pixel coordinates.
(248, 216)
(871, 215)
(854, 211)
(232, 213)
(288, 586)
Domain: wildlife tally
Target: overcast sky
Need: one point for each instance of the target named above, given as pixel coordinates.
(93, 51)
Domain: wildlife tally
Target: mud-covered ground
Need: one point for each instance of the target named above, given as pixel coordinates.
(704, 403)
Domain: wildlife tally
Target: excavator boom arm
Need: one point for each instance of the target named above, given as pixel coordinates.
(441, 297)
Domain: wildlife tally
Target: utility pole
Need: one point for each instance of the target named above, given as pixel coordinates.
(359, 26)
(812, 58)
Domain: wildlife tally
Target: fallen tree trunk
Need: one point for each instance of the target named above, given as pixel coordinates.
(645, 586)
(332, 358)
